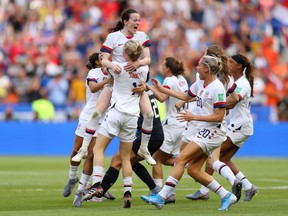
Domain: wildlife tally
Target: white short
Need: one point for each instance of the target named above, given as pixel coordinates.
(237, 137)
(80, 130)
(172, 139)
(189, 132)
(208, 139)
(121, 125)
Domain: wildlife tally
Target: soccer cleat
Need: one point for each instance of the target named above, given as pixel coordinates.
(81, 154)
(155, 200)
(69, 186)
(171, 199)
(155, 190)
(109, 196)
(147, 156)
(227, 201)
(127, 199)
(77, 199)
(236, 189)
(198, 196)
(96, 190)
(250, 193)
(96, 199)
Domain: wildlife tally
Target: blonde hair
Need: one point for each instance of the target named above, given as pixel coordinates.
(214, 64)
(133, 49)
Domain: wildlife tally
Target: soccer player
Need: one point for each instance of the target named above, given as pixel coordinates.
(96, 79)
(213, 163)
(173, 71)
(125, 29)
(211, 109)
(121, 120)
(240, 126)
(156, 140)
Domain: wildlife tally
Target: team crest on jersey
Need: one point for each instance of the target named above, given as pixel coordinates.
(147, 36)
(238, 90)
(220, 97)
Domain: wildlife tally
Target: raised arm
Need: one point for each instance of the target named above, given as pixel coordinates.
(107, 63)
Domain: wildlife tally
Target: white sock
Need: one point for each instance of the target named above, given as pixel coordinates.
(158, 182)
(224, 171)
(91, 129)
(83, 182)
(169, 185)
(217, 188)
(246, 184)
(204, 190)
(172, 192)
(73, 172)
(127, 182)
(98, 174)
(146, 129)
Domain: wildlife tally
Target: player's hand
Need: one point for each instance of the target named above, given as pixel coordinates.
(140, 88)
(116, 68)
(184, 116)
(156, 84)
(110, 80)
(179, 105)
(130, 67)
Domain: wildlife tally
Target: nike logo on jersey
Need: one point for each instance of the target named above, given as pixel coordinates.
(120, 44)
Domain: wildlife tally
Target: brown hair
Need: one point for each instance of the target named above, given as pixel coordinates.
(217, 51)
(247, 68)
(176, 66)
(92, 61)
(125, 15)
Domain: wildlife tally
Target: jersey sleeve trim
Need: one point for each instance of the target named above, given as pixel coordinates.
(147, 43)
(220, 105)
(232, 89)
(190, 93)
(106, 49)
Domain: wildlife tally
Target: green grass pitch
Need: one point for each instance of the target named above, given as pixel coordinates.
(33, 186)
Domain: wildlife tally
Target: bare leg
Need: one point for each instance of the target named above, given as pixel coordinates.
(102, 105)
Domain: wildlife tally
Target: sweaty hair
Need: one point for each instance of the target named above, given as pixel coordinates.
(133, 49)
(217, 51)
(125, 15)
(247, 68)
(213, 63)
(176, 67)
(92, 61)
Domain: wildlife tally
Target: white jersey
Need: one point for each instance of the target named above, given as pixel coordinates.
(115, 41)
(240, 116)
(208, 98)
(123, 99)
(94, 75)
(176, 83)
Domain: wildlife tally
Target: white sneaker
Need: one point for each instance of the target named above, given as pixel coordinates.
(146, 155)
(81, 154)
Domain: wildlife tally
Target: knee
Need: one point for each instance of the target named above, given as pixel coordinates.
(192, 172)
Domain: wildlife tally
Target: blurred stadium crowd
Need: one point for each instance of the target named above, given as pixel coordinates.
(44, 44)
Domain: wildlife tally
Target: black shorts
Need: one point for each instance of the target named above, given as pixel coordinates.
(154, 144)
